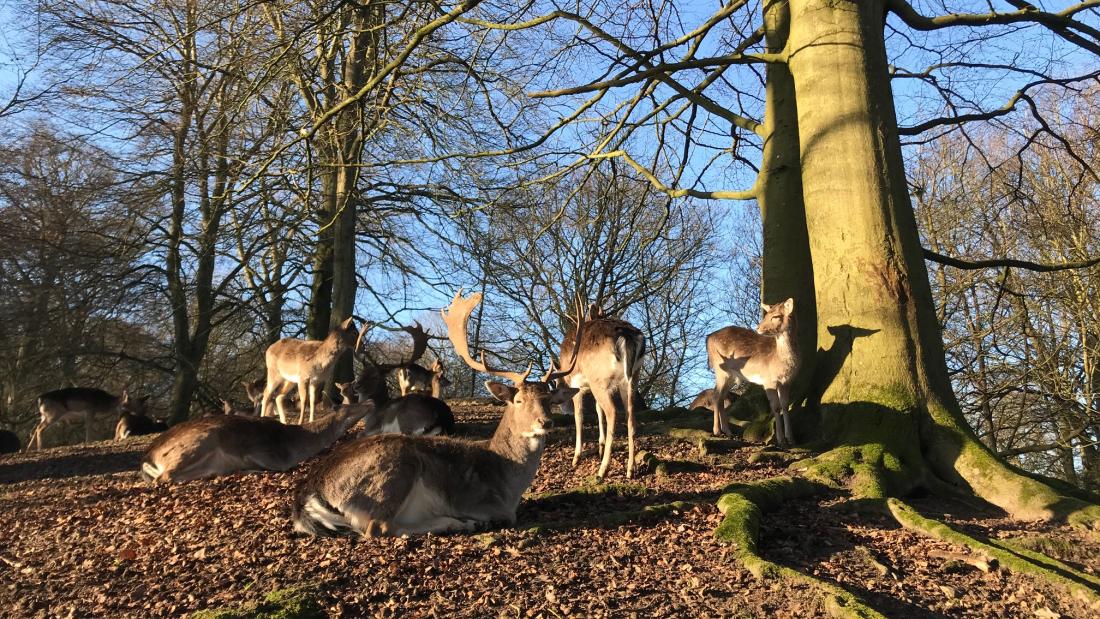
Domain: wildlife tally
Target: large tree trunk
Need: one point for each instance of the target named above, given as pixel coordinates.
(881, 377)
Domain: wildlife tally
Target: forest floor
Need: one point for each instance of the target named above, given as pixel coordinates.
(82, 535)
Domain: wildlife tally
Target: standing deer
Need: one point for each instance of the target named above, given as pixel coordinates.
(73, 402)
(607, 365)
(308, 363)
(225, 444)
(393, 484)
(768, 357)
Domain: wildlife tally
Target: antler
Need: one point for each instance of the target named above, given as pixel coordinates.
(420, 341)
(553, 374)
(456, 316)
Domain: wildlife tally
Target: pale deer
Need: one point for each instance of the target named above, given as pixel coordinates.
(75, 402)
(137, 423)
(394, 484)
(608, 361)
(212, 446)
(9, 442)
(307, 363)
(768, 357)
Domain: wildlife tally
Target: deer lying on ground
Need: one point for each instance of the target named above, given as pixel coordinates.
(308, 363)
(9, 442)
(413, 413)
(225, 444)
(74, 402)
(137, 423)
(394, 484)
(768, 357)
(608, 360)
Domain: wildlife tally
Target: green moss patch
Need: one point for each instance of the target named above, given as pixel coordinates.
(295, 603)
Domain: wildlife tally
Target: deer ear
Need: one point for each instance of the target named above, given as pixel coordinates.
(347, 324)
(788, 305)
(125, 395)
(562, 395)
(765, 306)
(500, 391)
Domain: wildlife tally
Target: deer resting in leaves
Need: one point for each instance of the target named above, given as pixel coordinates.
(768, 357)
(307, 363)
(224, 444)
(393, 484)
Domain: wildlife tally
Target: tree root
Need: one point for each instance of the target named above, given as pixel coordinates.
(646, 462)
(1015, 547)
(912, 520)
(743, 506)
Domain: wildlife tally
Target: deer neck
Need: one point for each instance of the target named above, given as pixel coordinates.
(786, 346)
(329, 348)
(509, 443)
(437, 388)
(321, 433)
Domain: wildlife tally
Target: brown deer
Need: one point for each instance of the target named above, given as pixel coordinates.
(225, 444)
(74, 402)
(607, 365)
(393, 484)
(705, 398)
(768, 357)
(307, 363)
(137, 423)
(413, 413)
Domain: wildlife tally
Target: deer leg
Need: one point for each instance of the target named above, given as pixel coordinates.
(629, 401)
(305, 388)
(36, 436)
(723, 382)
(601, 422)
(773, 403)
(265, 401)
(784, 395)
(578, 419)
(605, 401)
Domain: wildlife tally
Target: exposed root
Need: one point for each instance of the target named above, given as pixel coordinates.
(870, 471)
(743, 506)
(912, 520)
(646, 462)
(1016, 547)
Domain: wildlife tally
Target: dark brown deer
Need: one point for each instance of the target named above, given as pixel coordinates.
(607, 365)
(75, 402)
(137, 423)
(225, 444)
(307, 363)
(768, 357)
(394, 484)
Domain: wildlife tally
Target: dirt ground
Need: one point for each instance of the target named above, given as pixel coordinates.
(84, 536)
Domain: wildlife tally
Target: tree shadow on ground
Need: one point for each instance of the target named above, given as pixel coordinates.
(62, 466)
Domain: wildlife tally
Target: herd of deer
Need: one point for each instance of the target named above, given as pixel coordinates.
(400, 478)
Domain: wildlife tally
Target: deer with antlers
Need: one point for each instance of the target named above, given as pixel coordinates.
(393, 484)
(307, 363)
(608, 358)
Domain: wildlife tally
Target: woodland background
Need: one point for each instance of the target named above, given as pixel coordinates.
(183, 183)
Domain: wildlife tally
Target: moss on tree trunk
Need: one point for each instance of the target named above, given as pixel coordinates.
(880, 379)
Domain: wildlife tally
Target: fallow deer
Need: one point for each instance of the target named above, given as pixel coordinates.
(768, 357)
(308, 363)
(347, 393)
(705, 399)
(393, 484)
(254, 390)
(74, 402)
(9, 442)
(608, 361)
(225, 444)
(414, 413)
(137, 423)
